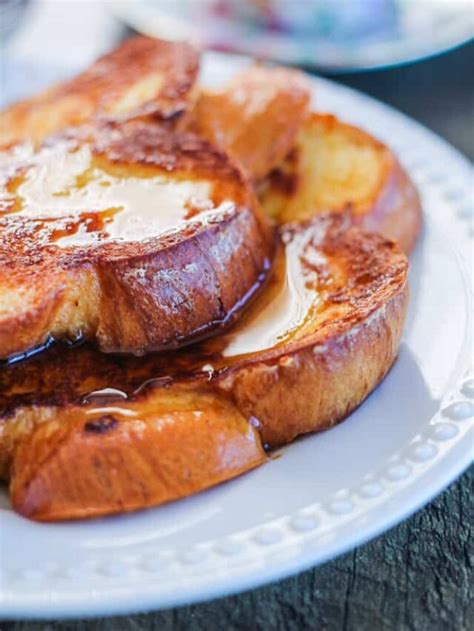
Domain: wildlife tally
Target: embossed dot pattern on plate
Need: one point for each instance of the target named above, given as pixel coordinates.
(459, 411)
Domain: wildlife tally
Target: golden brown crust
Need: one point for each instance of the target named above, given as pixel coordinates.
(128, 295)
(255, 118)
(396, 213)
(317, 386)
(79, 466)
(326, 367)
(337, 167)
(85, 434)
(142, 77)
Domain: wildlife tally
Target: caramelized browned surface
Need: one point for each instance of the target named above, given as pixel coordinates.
(142, 77)
(83, 433)
(255, 117)
(325, 278)
(315, 365)
(335, 167)
(83, 464)
(135, 236)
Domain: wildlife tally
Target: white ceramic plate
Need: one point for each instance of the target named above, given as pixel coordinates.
(328, 492)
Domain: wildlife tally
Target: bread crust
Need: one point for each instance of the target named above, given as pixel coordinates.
(336, 167)
(333, 369)
(189, 441)
(142, 77)
(134, 296)
(255, 118)
(345, 348)
(86, 434)
(327, 381)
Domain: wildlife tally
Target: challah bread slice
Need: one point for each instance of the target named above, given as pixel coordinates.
(142, 77)
(255, 118)
(132, 236)
(86, 434)
(186, 440)
(337, 167)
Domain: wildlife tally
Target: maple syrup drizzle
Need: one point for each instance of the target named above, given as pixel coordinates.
(282, 312)
(101, 382)
(71, 197)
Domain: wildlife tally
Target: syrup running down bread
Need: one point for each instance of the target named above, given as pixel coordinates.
(134, 236)
(65, 409)
(136, 229)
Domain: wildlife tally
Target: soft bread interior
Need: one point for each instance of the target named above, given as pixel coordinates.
(333, 167)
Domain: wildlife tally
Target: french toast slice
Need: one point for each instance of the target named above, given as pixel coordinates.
(255, 118)
(85, 434)
(134, 236)
(337, 167)
(142, 77)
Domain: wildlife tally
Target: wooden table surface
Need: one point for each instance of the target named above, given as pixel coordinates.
(417, 576)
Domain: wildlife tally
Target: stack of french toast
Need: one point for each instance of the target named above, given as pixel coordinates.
(188, 278)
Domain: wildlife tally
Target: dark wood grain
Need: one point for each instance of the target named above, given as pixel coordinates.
(418, 576)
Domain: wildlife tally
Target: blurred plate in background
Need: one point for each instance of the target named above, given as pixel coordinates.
(332, 35)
